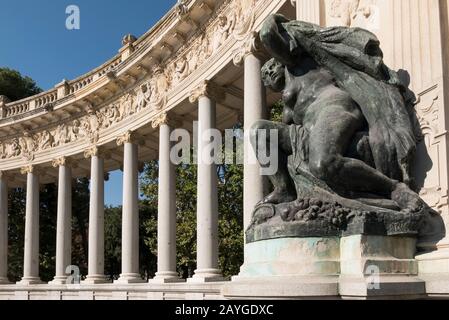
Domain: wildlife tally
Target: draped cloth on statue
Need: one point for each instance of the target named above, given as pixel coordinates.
(354, 57)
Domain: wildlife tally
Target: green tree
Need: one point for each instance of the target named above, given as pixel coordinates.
(230, 195)
(15, 86)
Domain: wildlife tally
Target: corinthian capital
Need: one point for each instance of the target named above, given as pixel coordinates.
(91, 152)
(60, 162)
(251, 45)
(127, 137)
(28, 169)
(207, 89)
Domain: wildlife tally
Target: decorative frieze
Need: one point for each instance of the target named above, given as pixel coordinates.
(232, 20)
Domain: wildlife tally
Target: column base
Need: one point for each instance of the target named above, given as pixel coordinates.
(28, 281)
(4, 280)
(96, 279)
(166, 277)
(129, 278)
(59, 280)
(206, 275)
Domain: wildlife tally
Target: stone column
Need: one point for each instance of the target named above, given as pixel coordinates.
(207, 198)
(31, 252)
(309, 10)
(255, 108)
(166, 222)
(3, 229)
(64, 221)
(96, 219)
(130, 215)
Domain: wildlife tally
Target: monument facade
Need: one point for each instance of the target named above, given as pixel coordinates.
(360, 207)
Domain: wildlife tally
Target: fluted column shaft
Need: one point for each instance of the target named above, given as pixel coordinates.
(31, 251)
(166, 223)
(64, 222)
(3, 230)
(96, 220)
(130, 215)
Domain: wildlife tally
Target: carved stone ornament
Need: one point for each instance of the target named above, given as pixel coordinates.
(127, 137)
(251, 45)
(91, 152)
(60, 162)
(207, 89)
(28, 169)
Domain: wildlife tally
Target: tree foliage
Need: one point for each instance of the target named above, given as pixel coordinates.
(15, 86)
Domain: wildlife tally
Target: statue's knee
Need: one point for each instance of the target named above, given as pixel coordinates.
(324, 168)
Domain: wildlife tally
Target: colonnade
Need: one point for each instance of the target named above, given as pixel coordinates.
(206, 96)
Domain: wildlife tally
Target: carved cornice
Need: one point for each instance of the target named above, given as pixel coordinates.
(207, 89)
(127, 137)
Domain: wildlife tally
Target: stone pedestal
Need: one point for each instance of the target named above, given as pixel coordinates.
(379, 266)
(355, 267)
(434, 270)
(288, 268)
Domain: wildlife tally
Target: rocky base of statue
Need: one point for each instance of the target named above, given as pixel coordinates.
(321, 212)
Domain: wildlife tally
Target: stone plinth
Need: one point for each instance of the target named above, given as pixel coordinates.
(288, 268)
(379, 266)
(358, 266)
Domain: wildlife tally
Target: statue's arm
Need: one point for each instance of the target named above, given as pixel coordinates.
(287, 115)
(275, 39)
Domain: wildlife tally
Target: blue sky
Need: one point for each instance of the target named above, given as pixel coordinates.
(34, 40)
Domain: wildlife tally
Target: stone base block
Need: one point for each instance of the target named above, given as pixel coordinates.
(434, 270)
(282, 287)
(28, 281)
(129, 278)
(379, 266)
(162, 280)
(4, 281)
(292, 257)
(289, 268)
(206, 275)
(96, 279)
(381, 287)
(58, 281)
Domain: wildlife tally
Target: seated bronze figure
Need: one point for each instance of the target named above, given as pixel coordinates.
(347, 139)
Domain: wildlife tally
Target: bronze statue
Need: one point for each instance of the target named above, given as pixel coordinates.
(347, 139)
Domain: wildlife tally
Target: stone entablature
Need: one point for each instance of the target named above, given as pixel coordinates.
(124, 95)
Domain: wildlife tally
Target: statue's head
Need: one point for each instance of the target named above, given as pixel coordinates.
(273, 75)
